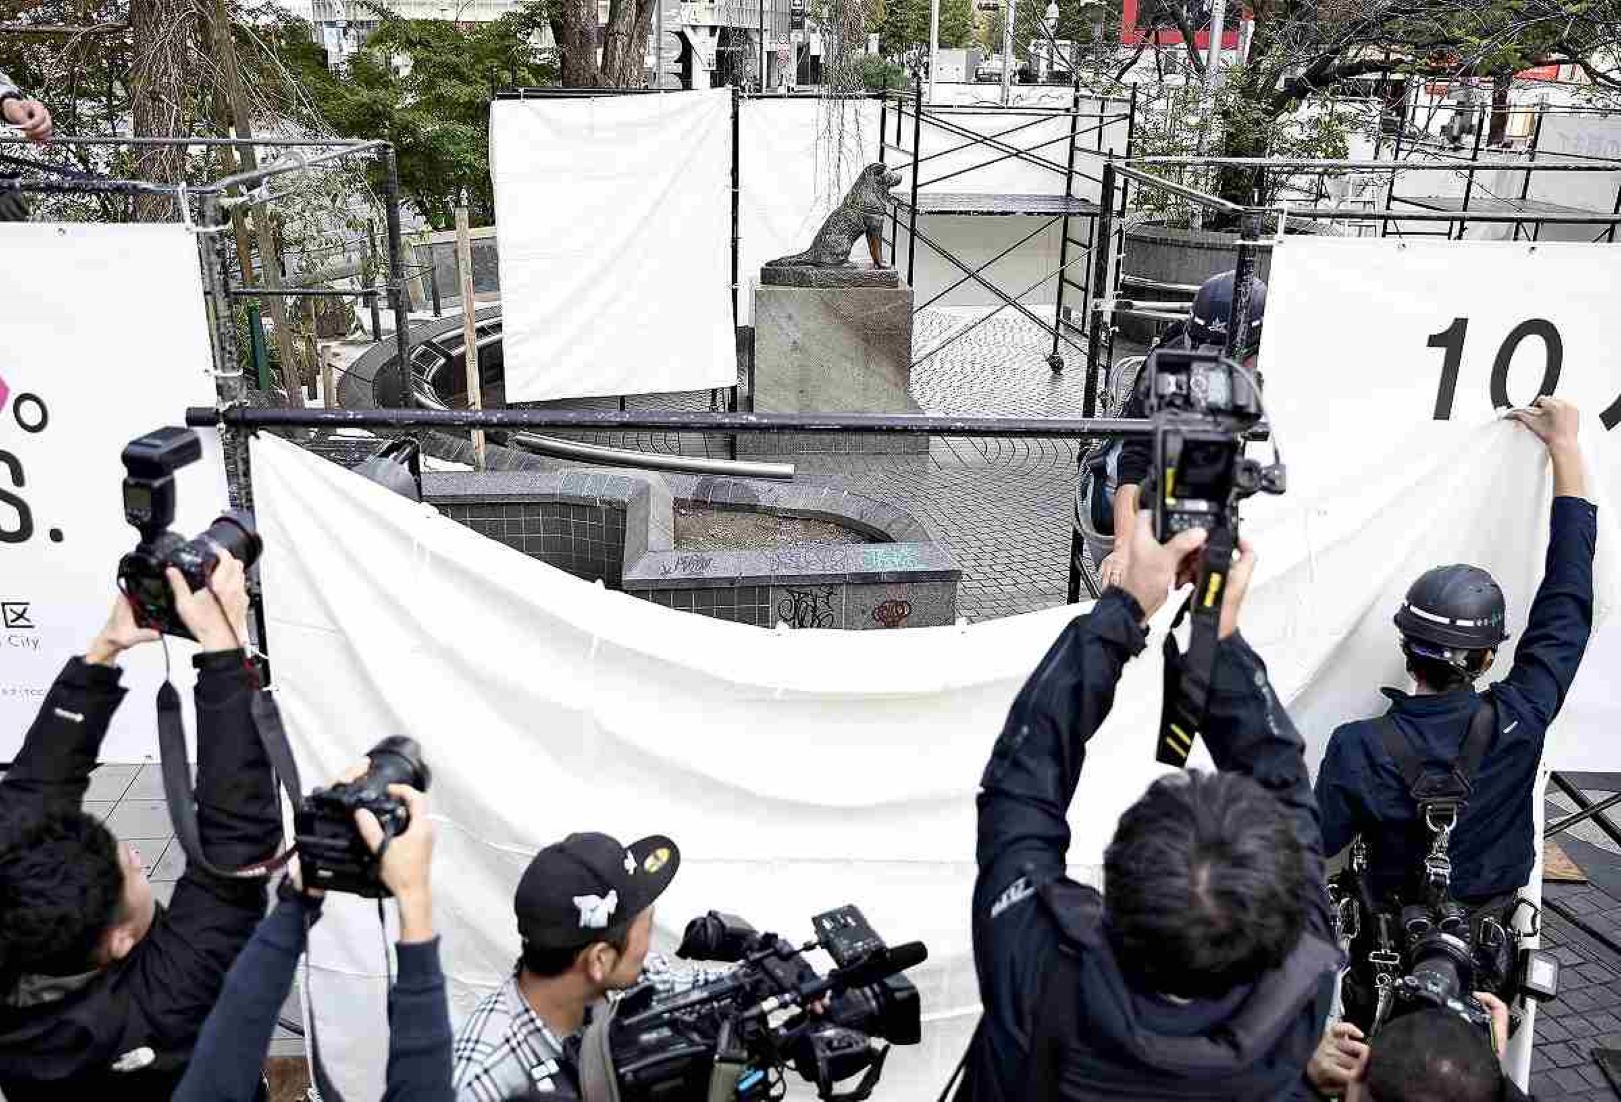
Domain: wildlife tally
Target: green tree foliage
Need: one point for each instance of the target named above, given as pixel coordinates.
(425, 86)
(903, 26)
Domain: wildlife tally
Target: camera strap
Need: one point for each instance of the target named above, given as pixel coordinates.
(1187, 677)
(181, 796)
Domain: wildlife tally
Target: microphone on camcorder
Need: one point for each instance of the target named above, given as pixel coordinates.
(879, 966)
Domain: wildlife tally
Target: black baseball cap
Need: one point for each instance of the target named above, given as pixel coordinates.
(589, 888)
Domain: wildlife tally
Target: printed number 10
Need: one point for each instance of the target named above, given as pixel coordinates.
(1451, 339)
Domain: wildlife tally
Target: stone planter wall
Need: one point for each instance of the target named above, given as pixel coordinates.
(618, 526)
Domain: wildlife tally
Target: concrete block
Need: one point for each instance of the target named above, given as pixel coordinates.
(846, 350)
(909, 605)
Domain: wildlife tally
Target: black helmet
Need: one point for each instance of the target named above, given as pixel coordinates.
(1450, 611)
(1213, 305)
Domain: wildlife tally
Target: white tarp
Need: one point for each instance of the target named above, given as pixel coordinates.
(801, 770)
(614, 227)
(103, 337)
(793, 168)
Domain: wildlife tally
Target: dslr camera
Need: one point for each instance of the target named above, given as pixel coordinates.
(150, 462)
(331, 853)
(1203, 406)
(733, 1037)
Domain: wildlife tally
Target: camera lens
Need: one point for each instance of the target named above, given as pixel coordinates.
(235, 533)
(396, 760)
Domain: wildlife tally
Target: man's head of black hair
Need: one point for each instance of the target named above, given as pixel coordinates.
(72, 897)
(1435, 675)
(1204, 885)
(1432, 1056)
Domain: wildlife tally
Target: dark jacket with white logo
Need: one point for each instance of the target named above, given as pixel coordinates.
(1248, 1044)
(1360, 787)
(61, 1036)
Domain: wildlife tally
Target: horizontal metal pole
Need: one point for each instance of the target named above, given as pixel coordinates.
(278, 168)
(301, 292)
(282, 143)
(671, 421)
(1332, 214)
(1150, 180)
(60, 185)
(652, 461)
(59, 29)
(1376, 166)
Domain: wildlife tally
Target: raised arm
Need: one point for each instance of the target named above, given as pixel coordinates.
(1561, 619)
(419, 1037)
(1248, 731)
(52, 770)
(1031, 778)
(238, 820)
(225, 1065)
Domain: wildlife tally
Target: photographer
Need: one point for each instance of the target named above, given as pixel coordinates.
(1204, 968)
(230, 1050)
(1206, 324)
(1485, 745)
(1428, 1056)
(585, 915)
(104, 988)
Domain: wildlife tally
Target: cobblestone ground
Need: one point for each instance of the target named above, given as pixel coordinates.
(1001, 505)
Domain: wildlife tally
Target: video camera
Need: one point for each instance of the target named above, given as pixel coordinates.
(733, 1037)
(150, 462)
(1203, 406)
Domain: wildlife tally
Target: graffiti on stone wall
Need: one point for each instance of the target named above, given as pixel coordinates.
(686, 565)
(892, 613)
(807, 608)
(893, 556)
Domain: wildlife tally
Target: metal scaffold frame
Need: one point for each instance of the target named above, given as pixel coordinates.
(1061, 209)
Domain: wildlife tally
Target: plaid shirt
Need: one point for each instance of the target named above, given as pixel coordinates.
(504, 1050)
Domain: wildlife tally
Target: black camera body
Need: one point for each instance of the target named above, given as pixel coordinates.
(150, 462)
(332, 855)
(1203, 407)
(1441, 977)
(732, 1034)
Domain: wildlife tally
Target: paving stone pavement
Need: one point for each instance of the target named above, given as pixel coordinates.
(1001, 504)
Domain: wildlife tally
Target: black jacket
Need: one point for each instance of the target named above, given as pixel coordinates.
(60, 1036)
(1023, 841)
(1360, 787)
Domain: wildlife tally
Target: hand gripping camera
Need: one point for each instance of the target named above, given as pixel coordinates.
(150, 462)
(331, 853)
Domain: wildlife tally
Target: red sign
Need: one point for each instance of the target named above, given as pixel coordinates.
(1540, 72)
(1167, 33)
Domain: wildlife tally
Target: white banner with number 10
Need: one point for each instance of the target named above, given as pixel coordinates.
(1384, 361)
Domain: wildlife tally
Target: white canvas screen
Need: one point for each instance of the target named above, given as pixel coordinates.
(103, 337)
(613, 218)
(548, 704)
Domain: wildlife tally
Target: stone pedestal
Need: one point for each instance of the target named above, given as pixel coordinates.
(838, 349)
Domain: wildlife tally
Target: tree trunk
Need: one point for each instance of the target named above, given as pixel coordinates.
(161, 31)
(625, 48)
(575, 29)
(1498, 134)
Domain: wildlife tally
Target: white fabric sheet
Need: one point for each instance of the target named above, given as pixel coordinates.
(614, 232)
(792, 171)
(103, 337)
(798, 770)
